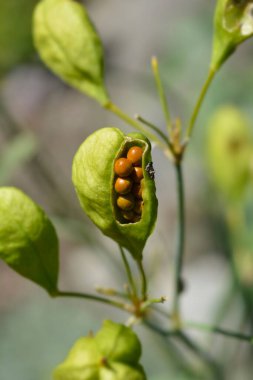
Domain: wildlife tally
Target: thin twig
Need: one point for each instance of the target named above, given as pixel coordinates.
(218, 330)
(197, 107)
(128, 271)
(161, 93)
(180, 243)
(144, 280)
(127, 119)
(156, 129)
(215, 368)
(91, 297)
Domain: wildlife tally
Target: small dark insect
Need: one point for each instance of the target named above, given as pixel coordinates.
(150, 170)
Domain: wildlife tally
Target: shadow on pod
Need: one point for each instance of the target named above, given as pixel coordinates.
(94, 178)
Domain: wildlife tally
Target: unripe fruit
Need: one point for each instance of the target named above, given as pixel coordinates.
(123, 185)
(135, 155)
(123, 167)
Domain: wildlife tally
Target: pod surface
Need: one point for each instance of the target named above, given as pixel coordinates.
(93, 178)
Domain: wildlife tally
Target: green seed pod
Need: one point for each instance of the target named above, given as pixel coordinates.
(28, 241)
(233, 24)
(82, 362)
(112, 354)
(118, 371)
(70, 46)
(118, 343)
(229, 152)
(94, 177)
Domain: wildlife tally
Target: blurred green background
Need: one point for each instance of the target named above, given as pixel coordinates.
(42, 123)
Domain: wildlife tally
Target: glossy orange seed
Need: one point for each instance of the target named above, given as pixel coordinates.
(123, 167)
(126, 202)
(123, 185)
(135, 155)
(137, 174)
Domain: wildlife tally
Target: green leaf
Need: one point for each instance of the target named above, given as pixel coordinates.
(70, 46)
(28, 241)
(15, 32)
(229, 150)
(233, 24)
(118, 343)
(93, 177)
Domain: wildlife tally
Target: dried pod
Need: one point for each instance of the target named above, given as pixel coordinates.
(94, 179)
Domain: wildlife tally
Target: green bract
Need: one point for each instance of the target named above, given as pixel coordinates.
(93, 178)
(28, 242)
(112, 354)
(233, 24)
(69, 45)
(229, 152)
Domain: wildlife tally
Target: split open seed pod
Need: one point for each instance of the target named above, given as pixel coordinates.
(233, 24)
(94, 178)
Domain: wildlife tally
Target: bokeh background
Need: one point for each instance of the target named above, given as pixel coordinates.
(42, 123)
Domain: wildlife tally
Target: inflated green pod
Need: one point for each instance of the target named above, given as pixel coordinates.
(229, 152)
(94, 177)
(69, 45)
(233, 24)
(112, 354)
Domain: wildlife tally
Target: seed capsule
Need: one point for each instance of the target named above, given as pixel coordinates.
(125, 202)
(137, 174)
(123, 185)
(135, 155)
(94, 178)
(123, 167)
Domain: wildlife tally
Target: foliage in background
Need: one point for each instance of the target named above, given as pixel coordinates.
(16, 43)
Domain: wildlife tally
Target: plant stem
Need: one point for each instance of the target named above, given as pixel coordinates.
(188, 342)
(154, 327)
(197, 107)
(92, 297)
(128, 271)
(161, 93)
(117, 111)
(144, 280)
(180, 243)
(156, 129)
(206, 327)
(202, 354)
(218, 330)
